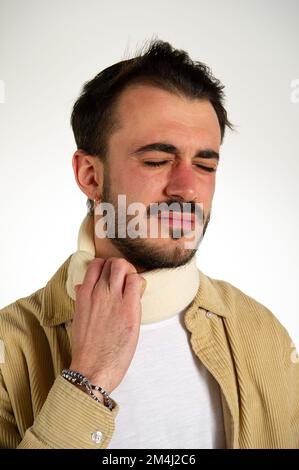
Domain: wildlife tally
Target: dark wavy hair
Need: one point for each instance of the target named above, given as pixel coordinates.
(161, 65)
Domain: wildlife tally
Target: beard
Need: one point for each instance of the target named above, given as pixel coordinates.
(143, 252)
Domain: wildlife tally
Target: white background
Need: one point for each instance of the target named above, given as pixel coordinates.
(49, 49)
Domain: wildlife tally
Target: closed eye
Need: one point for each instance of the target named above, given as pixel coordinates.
(157, 164)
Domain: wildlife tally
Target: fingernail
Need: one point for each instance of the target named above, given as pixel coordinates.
(143, 284)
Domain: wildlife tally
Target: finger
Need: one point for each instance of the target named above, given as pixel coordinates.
(93, 273)
(103, 280)
(143, 285)
(77, 287)
(120, 267)
(134, 287)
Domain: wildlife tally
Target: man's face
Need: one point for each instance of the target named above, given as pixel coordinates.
(186, 128)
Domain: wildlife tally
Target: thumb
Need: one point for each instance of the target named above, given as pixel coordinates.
(77, 287)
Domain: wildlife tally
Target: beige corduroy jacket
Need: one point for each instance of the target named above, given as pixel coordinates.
(241, 343)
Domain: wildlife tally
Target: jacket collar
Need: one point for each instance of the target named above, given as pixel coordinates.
(58, 307)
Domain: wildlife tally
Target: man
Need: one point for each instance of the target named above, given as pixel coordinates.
(129, 345)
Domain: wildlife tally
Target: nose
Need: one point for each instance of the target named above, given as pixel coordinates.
(182, 182)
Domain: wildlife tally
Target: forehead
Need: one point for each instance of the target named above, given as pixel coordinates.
(147, 112)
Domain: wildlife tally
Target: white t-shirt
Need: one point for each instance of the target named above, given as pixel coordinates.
(167, 398)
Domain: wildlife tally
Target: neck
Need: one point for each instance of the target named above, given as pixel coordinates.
(168, 290)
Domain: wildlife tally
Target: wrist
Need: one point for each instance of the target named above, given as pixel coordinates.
(96, 393)
(95, 378)
(77, 378)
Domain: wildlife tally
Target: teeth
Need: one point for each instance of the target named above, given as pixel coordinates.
(183, 217)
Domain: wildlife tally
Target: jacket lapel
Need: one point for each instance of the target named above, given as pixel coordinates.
(206, 320)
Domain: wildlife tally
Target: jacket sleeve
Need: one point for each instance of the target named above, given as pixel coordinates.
(68, 419)
(291, 359)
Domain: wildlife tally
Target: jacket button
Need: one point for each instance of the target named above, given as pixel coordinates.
(96, 437)
(209, 314)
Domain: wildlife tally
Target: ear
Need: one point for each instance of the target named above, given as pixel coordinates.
(89, 173)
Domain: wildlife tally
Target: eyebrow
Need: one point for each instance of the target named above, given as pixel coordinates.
(169, 148)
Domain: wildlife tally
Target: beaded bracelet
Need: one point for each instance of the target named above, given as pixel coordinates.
(82, 381)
